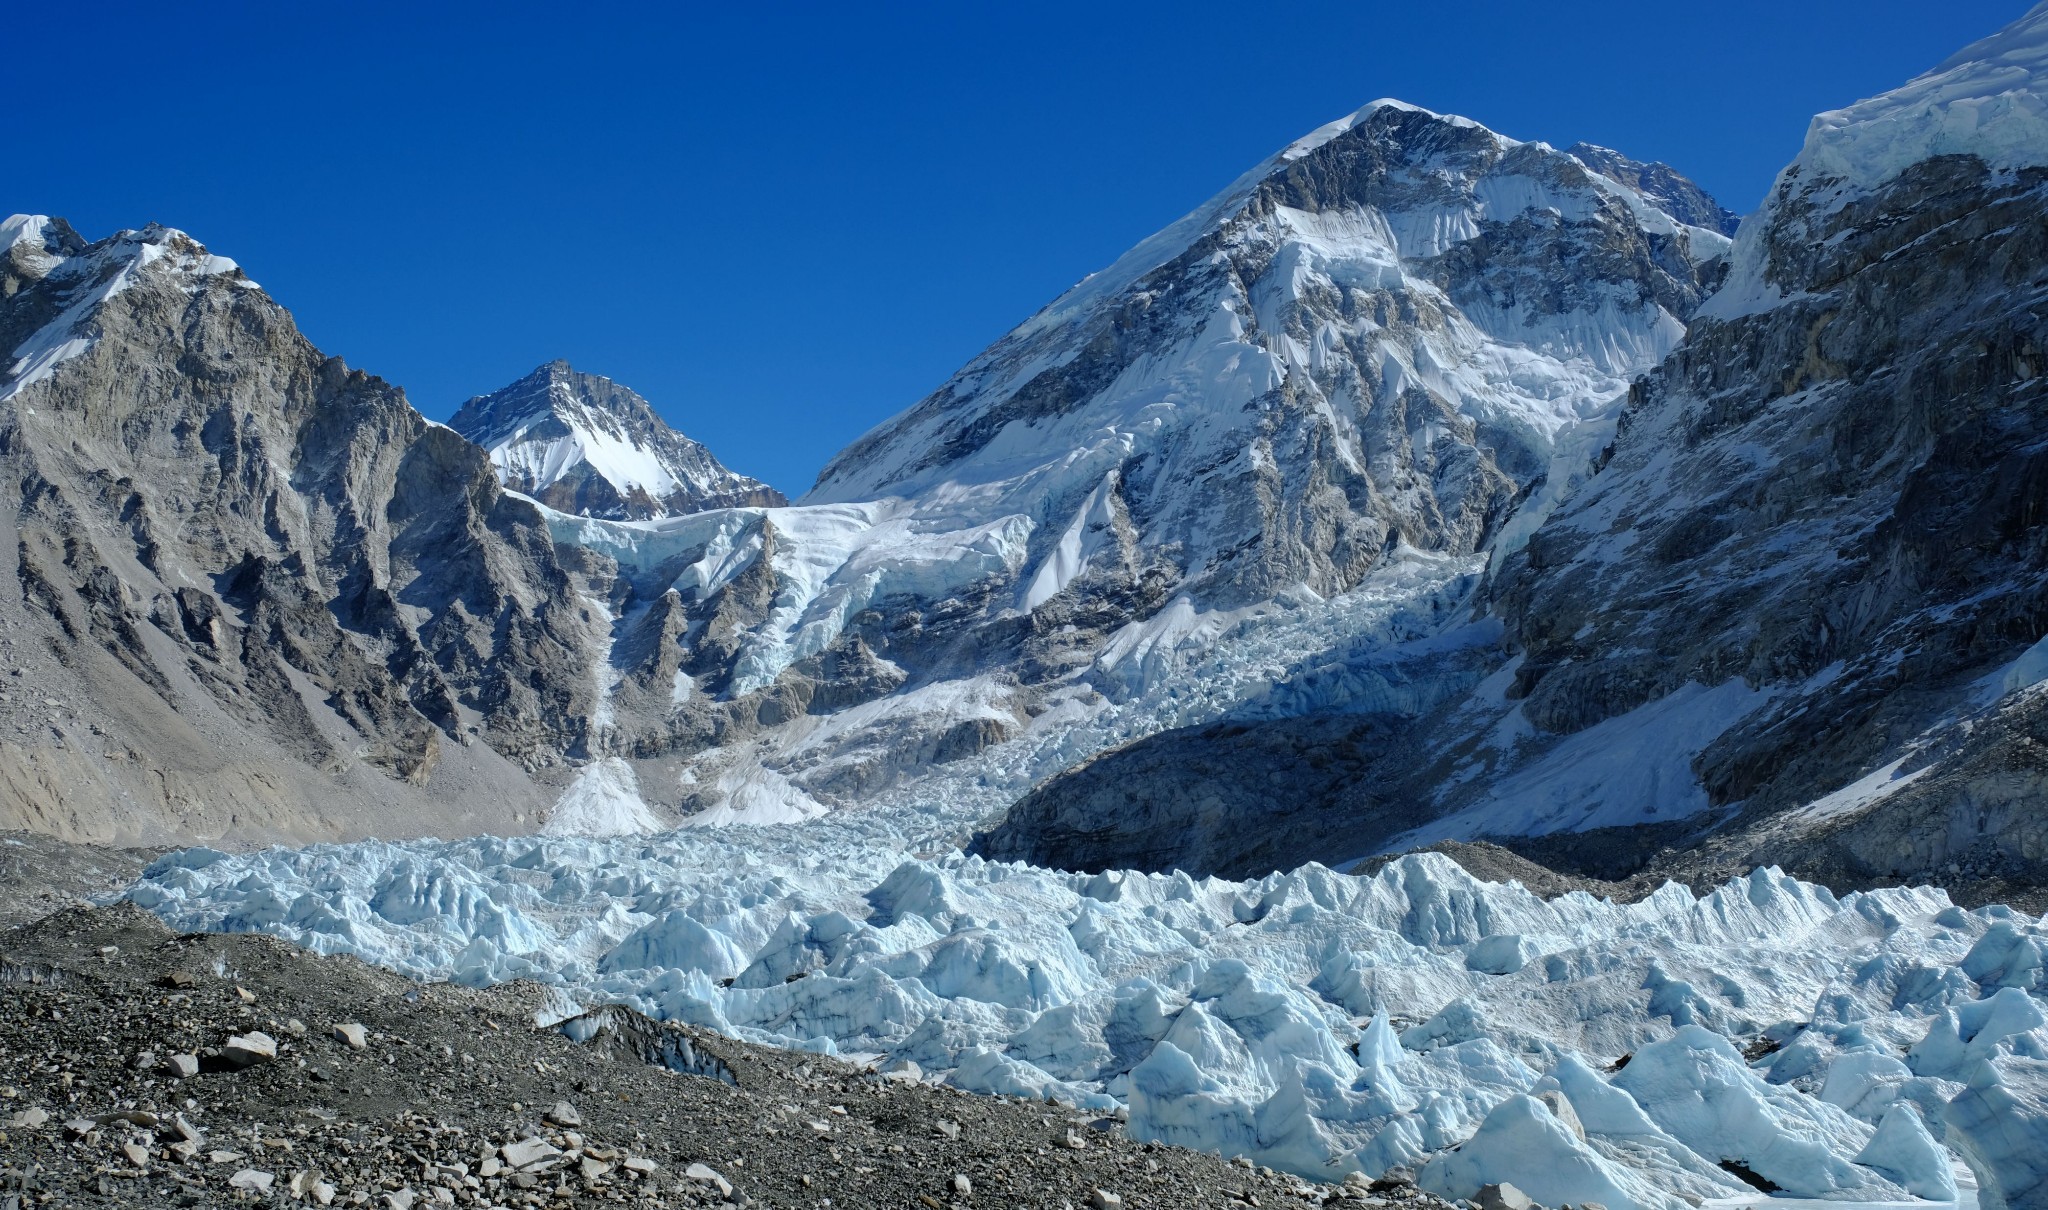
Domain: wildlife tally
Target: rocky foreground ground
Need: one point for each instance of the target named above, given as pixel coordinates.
(143, 1068)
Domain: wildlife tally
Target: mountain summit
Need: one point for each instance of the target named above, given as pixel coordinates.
(583, 444)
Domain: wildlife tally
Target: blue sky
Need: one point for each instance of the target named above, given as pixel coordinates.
(784, 223)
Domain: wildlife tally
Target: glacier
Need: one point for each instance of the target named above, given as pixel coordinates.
(1319, 1022)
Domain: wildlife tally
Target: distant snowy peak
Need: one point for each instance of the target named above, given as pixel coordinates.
(585, 445)
(1661, 185)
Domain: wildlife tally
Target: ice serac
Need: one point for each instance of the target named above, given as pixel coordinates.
(1792, 613)
(584, 444)
(254, 589)
(1258, 1017)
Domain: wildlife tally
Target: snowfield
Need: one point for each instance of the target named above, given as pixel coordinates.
(1586, 1050)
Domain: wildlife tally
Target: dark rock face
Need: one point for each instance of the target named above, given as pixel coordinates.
(1838, 497)
(583, 444)
(1184, 799)
(218, 521)
(1848, 481)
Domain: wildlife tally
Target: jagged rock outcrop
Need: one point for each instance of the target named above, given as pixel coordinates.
(583, 444)
(262, 593)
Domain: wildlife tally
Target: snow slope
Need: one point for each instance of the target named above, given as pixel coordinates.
(1318, 1022)
(1986, 100)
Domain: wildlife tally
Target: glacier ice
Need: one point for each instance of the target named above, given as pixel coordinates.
(1321, 1022)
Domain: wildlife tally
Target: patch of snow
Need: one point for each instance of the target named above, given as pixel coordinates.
(604, 800)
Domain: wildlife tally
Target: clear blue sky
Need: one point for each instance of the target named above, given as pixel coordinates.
(784, 223)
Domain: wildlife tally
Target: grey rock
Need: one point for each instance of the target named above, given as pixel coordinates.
(1661, 185)
(1560, 1108)
(305, 594)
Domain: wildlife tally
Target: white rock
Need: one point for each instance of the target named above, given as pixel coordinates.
(247, 1050)
(528, 1152)
(255, 1180)
(704, 1174)
(353, 1035)
(961, 1185)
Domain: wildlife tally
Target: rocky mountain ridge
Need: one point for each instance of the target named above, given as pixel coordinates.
(1363, 354)
(1351, 363)
(257, 592)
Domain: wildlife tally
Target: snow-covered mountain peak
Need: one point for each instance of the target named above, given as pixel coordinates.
(1395, 249)
(1989, 99)
(587, 445)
